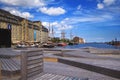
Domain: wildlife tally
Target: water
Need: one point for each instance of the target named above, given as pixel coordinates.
(96, 45)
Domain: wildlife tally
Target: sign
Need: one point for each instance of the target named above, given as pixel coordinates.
(9, 26)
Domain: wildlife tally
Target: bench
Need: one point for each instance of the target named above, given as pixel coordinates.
(32, 68)
(9, 66)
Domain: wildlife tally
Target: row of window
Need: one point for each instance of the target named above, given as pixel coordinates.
(9, 16)
(8, 20)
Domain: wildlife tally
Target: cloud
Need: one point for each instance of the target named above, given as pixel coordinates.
(105, 3)
(100, 6)
(52, 1)
(76, 20)
(79, 7)
(52, 11)
(87, 19)
(57, 27)
(28, 3)
(21, 14)
(18, 13)
(109, 2)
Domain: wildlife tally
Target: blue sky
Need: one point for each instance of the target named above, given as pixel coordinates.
(93, 20)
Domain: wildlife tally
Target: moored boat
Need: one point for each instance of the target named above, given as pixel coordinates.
(62, 44)
(48, 45)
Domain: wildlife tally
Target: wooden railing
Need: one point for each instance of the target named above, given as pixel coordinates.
(31, 63)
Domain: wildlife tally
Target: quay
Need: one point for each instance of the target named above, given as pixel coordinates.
(60, 64)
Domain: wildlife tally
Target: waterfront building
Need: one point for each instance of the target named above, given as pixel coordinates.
(23, 30)
(78, 40)
(44, 35)
(9, 21)
(81, 40)
(38, 31)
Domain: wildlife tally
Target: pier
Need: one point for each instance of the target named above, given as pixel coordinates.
(59, 64)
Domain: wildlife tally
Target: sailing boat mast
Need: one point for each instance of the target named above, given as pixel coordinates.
(49, 31)
(52, 32)
(62, 34)
(71, 35)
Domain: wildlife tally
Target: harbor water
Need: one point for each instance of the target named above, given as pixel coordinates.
(95, 45)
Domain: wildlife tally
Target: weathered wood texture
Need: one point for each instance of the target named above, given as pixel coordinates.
(31, 63)
(102, 70)
(0, 71)
(50, 76)
(9, 65)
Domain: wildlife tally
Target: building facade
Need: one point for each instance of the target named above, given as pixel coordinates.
(81, 40)
(9, 21)
(44, 35)
(23, 30)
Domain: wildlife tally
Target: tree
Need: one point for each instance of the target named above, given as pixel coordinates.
(55, 40)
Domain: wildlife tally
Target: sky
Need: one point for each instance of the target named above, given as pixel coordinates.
(93, 20)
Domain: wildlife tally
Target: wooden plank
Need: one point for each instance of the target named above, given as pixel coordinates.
(9, 65)
(12, 65)
(34, 65)
(50, 59)
(50, 76)
(34, 57)
(24, 66)
(32, 62)
(35, 61)
(34, 73)
(34, 69)
(37, 52)
(0, 71)
(98, 69)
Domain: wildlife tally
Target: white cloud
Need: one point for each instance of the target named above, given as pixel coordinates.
(100, 6)
(46, 24)
(57, 26)
(52, 11)
(65, 27)
(18, 13)
(79, 7)
(108, 2)
(105, 3)
(21, 14)
(29, 3)
(90, 19)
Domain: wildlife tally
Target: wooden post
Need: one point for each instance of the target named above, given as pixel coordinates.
(31, 63)
(24, 66)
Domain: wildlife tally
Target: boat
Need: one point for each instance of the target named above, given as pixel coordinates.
(62, 44)
(48, 45)
(70, 43)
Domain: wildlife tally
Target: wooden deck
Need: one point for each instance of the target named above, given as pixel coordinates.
(30, 66)
(50, 76)
(9, 65)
